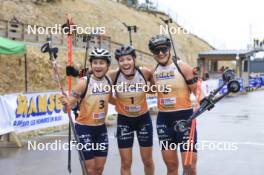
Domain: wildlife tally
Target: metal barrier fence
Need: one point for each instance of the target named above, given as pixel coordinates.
(16, 30)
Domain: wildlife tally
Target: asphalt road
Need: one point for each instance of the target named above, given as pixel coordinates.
(231, 135)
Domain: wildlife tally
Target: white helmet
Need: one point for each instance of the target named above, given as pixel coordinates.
(100, 54)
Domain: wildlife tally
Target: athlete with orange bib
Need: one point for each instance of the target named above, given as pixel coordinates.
(90, 123)
(131, 105)
(173, 105)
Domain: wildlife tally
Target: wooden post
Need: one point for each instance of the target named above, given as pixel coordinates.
(109, 42)
(23, 32)
(99, 37)
(17, 140)
(7, 142)
(62, 38)
(37, 35)
(7, 28)
(26, 85)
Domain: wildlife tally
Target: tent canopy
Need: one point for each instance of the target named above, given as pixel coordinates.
(9, 47)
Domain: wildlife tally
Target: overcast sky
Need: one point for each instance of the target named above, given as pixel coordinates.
(226, 24)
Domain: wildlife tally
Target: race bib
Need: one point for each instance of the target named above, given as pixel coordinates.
(100, 115)
(133, 108)
(168, 101)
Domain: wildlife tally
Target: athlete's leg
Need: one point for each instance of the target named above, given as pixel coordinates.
(171, 160)
(101, 148)
(183, 139)
(145, 139)
(125, 139)
(184, 147)
(146, 156)
(194, 161)
(167, 143)
(99, 165)
(126, 160)
(90, 166)
(85, 133)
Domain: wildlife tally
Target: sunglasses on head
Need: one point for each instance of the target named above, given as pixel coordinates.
(157, 50)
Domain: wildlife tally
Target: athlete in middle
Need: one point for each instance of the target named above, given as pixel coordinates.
(131, 105)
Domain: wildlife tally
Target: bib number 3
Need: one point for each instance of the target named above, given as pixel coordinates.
(101, 103)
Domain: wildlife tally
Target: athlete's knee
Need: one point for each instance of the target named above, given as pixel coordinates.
(148, 161)
(126, 163)
(172, 165)
(194, 164)
(90, 168)
(193, 169)
(99, 170)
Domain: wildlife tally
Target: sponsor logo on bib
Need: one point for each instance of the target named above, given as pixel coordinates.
(99, 115)
(132, 108)
(168, 101)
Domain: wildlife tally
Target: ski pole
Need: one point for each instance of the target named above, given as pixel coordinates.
(53, 55)
(209, 102)
(87, 40)
(167, 21)
(187, 169)
(69, 63)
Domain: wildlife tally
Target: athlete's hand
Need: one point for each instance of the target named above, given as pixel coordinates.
(71, 71)
(65, 102)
